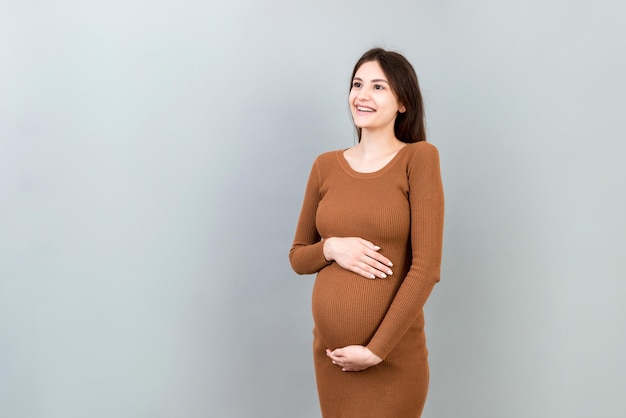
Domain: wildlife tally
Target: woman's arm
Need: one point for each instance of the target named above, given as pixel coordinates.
(427, 210)
(307, 252)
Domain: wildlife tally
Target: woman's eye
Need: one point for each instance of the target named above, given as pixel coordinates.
(378, 87)
(356, 84)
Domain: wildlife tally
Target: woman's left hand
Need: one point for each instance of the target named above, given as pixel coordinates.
(353, 358)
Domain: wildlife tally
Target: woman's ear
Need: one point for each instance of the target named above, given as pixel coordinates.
(402, 108)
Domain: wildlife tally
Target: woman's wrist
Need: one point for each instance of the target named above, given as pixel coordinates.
(327, 249)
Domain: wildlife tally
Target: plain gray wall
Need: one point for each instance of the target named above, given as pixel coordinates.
(153, 157)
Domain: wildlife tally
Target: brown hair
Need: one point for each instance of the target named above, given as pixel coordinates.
(409, 126)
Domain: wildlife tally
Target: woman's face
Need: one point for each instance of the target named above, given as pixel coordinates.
(374, 105)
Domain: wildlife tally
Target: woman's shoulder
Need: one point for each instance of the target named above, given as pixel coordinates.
(326, 158)
(423, 147)
(421, 155)
(328, 154)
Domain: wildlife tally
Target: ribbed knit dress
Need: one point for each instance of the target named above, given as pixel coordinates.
(399, 208)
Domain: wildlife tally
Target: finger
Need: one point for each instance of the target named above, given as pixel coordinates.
(338, 363)
(373, 255)
(336, 353)
(334, 357)
(339, 355)
(369, 244)
(377, 266)
(371, 272)
(365, 271)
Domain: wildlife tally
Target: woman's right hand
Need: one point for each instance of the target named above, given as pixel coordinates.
(358, 255)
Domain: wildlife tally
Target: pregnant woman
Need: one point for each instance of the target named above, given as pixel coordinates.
(371, 227)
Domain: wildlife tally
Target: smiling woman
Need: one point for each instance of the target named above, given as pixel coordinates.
(373, 103)
(371, 227)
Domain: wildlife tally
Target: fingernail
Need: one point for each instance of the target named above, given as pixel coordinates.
(383, 276)
(390, 272)
(376, 247)
(390, 264)
(372, 276)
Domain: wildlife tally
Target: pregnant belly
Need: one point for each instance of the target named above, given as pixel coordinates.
(348, 308)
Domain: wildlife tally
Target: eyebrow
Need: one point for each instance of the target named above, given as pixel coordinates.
(376, 80)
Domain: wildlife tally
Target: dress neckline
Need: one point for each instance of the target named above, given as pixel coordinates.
(351, 171)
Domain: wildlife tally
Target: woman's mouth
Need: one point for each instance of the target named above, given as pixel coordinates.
(364, 109)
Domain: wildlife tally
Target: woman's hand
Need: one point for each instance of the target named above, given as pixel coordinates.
(353, 358)
(359, 256)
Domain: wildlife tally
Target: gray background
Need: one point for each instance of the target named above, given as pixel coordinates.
(153, 157)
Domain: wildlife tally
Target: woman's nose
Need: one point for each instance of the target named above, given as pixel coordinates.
(363, 94)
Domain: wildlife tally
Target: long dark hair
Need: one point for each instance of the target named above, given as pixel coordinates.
(409, 126)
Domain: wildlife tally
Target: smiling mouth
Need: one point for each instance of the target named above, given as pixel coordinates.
(364, 109)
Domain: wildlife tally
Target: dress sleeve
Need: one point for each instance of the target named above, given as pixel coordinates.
(307, 252)
(427, 209)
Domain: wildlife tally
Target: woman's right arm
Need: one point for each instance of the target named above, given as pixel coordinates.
(307, 252)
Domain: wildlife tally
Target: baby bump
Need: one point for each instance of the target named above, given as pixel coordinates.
(347, 308)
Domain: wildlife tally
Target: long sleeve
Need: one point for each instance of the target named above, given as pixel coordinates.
(307, 252)
(427, 210)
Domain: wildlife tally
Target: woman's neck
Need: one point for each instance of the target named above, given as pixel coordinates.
(378, 143)
(373, 152)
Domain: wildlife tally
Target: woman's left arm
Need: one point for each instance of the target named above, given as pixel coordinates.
(427, 211)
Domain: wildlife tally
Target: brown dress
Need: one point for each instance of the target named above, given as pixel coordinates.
(400, 209)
